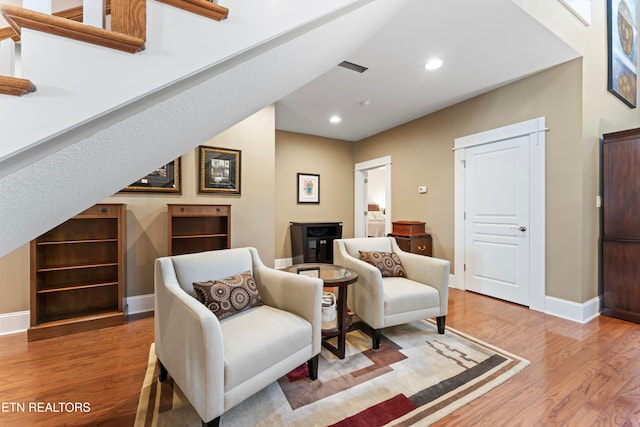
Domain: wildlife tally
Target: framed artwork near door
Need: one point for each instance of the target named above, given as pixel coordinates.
(622, 38)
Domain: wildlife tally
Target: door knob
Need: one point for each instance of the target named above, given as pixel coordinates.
(522, 228)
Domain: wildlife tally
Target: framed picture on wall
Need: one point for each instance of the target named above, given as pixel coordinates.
(622, 17)
(219, 170)
(308, 188)
(165, 179)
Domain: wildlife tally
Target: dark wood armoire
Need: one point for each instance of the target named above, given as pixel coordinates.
(621, 225)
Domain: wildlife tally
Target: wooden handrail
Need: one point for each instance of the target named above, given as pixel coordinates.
(15, 86)
(8, 32)
(74, 13)
(200, 7)
(19, 17)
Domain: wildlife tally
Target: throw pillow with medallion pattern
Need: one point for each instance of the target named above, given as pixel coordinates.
(387, 262)
(226, 297)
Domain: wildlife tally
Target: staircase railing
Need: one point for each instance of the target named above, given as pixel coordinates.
(127, 33)
(19, 18)
(200, 7)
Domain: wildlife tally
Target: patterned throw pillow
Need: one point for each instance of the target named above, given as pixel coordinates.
(226, 297)
(387, 262)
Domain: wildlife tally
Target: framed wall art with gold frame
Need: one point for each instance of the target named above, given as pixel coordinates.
(165, 179)
(219, 170)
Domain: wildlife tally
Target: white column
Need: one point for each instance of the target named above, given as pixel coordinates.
(7, 57)
(93, 13)
(42, 6)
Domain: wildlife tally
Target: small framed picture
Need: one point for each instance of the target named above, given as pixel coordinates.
(309, 271)
(219, 170)
(308, 188)
(165, 179)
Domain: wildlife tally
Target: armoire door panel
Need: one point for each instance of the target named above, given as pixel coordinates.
(621, 274)
(621, 179)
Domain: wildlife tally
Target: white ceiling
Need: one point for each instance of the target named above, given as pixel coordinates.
(484, 44)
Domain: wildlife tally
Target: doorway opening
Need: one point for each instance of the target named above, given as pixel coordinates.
(375, 173)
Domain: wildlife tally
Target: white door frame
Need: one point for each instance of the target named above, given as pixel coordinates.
(360, 193)
(535, 128)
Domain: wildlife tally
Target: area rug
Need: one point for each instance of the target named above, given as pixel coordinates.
(416, 377)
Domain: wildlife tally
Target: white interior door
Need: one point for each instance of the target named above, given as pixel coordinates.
(489, 255)
(497, 219)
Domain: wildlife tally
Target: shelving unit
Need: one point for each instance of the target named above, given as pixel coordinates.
(313, 241)
(198, 228)
(78, 274)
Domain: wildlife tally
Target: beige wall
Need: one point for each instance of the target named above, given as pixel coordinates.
(14, 281)
(333, 161)
(421, 153)
(252, 212)
(601, 113)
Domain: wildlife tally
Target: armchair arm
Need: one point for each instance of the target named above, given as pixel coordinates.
(294, 293)
(182, 322)
(430, 271)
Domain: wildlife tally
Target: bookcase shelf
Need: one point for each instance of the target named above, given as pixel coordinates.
(77, 274)
(198, 228)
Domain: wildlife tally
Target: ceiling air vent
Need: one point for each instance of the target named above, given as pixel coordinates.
(354, 67)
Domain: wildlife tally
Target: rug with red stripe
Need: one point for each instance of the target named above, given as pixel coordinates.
(416, 377)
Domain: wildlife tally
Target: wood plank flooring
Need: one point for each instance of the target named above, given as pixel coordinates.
(580, 375)
(103, 368)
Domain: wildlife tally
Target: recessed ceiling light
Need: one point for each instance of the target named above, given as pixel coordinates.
(433, 64)
(335, 119)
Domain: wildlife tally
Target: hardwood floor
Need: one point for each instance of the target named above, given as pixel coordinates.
(102, 368)
(580, 375)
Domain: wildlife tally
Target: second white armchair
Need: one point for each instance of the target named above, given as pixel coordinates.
(420, 292)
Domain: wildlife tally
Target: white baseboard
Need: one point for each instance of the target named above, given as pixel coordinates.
(578, 312)
(19, 321)
(138, 304)
(13, 323)
(453, 283)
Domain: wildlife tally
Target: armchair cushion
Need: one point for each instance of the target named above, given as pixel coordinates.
(253, 340)
(404, 295)
(226, 297)
(387, 262)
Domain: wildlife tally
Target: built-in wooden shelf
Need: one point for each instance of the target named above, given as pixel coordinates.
(78, 274)
(19, 18)
(200, 7)
(197, 228)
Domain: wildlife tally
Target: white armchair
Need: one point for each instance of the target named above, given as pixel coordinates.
(381, 302)
(220, 363)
